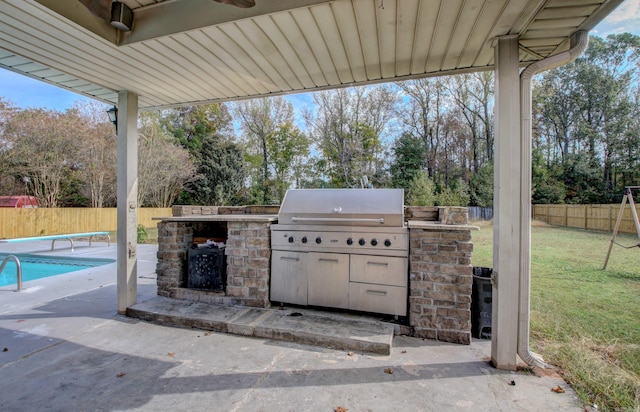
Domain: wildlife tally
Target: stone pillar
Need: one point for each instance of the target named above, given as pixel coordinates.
(174, 240)
(440, 281)
(248, 263)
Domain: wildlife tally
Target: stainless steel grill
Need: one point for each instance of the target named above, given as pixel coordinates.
(341, 248)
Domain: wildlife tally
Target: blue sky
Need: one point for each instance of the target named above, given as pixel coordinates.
(25, 92)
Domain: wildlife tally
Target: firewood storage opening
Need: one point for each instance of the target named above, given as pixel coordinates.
(206, 262)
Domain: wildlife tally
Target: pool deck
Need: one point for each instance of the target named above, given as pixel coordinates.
(68, 349)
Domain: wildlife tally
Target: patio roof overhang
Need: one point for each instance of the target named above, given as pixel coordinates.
(184, 52)
(200, 51)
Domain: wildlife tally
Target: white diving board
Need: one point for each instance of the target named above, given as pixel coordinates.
(69, 237)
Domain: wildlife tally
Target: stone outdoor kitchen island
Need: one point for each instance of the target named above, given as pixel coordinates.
(439, 275)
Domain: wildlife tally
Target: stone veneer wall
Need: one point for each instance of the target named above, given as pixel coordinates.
(440, 271)
(441, 278)
(174, 239)
(249, 263)
(248, 254)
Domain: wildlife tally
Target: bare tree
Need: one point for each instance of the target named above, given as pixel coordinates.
(348, 127)
(474, 96)
(164, 167)
(10, 182)
(43, 147)
(423, 115)
(97, 153)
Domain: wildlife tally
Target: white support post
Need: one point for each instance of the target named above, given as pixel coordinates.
(506, 200)
(127, 191)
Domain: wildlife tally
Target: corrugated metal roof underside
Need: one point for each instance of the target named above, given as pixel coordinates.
(344, 42)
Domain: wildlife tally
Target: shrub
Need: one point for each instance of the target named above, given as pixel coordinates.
(142, 234)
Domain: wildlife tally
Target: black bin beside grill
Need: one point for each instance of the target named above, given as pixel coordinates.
(206, 269)
(481, 301)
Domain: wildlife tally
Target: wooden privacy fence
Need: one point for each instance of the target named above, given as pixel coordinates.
(480, 213)
(53, 221)
(592, 217)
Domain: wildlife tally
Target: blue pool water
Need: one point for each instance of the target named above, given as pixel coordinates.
(37, 267)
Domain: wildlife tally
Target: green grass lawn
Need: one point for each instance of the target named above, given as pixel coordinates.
(152, 235)
(584, 320)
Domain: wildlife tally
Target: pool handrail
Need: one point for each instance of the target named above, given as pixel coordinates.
(18, 269)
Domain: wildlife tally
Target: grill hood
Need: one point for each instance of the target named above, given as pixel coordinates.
(346, 207)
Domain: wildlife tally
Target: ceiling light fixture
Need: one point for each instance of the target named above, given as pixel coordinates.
(121, 16)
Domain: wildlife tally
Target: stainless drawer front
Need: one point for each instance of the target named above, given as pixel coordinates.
(378, 298)
(382, 270)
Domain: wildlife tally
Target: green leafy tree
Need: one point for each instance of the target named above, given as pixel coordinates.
(421, 190)
(409, 159)
(546, 189)
(583, 112)
(220, 173)
(455, 195)
(582, 178)
(262, 122)
(314, 175)
(481, 187)
(288, 146)
(191, 125)
(201, 129)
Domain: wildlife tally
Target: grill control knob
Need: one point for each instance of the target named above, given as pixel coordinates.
(362, 242)
(387, 243)
(374, 242)
(304, 239)
(291, 239)
(318, 240)
(350, 241)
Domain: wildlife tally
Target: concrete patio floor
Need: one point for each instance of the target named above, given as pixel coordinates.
(64, 347)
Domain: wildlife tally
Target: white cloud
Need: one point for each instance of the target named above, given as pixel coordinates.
(625, 18)
(627, 12)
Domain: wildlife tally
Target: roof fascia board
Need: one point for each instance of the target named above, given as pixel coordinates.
(592, 21)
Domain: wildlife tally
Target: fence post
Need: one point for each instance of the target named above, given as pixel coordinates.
(586, 226)
(610, 209)
(547, 212)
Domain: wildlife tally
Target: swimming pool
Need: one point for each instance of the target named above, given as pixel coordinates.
(37, 267)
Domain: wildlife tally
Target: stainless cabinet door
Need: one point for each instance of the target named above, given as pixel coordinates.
(329, 280)
(289, 277)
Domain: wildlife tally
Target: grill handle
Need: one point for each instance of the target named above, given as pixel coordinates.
(338, 219)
